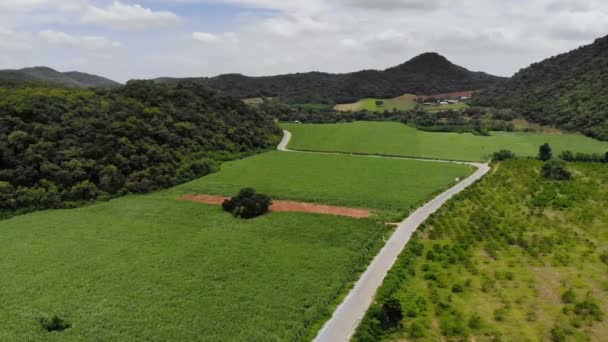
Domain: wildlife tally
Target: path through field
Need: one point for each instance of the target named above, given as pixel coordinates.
(345, 319)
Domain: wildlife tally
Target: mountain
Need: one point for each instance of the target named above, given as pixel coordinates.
(44, 75)
(428, 73)
(569, 91)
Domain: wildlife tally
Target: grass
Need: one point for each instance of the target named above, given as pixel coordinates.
(402, 103)
(391, 138)
(385, 184)
(506, 250)
(151, 268)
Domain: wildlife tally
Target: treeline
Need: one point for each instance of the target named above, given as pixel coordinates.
(568, 91)
(428, 73)
(60, 147)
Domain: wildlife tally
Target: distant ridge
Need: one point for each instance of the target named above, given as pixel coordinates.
(48, 76)
(428, 73)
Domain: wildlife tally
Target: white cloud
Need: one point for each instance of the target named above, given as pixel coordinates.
(31, 5)
(92, 43)
(207, 38)
(124, 16)
(12, 41)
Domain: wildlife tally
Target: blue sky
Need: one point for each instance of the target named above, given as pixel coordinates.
(125, 39)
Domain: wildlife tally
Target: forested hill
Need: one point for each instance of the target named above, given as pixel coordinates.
(50, 77)
(429, 73)
(569, 91)
(60, 147)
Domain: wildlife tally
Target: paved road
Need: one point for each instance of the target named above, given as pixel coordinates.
(347, 316)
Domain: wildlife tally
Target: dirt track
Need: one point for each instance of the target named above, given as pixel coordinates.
(288, 206)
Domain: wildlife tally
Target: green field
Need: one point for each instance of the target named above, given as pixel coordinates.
(402, 103)
(513, 258)
(151, 268)
(386, 184)
(391, 138)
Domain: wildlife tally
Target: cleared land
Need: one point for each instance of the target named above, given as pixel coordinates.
(353, 181)
(403, 103)
(390, 138)
(514, 258)
(155, 268)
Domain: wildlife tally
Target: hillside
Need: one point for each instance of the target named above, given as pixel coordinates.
(48, 76)
(568, 91)
(428, 73)
(61, 147)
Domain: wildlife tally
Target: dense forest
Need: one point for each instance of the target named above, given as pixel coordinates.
(49, 77)
(428, 73)
(60, 147)
(568, 91)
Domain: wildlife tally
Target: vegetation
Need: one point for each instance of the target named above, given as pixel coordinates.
(566, 91)
(514, 257)
(544, 152)
(54, 323)
(62, 147)
(389, 138)
(402, 103)
(385, 184)
(247, 204)
(502, 155)
(555, 170)
(428, 73)
(149, 267)
(50, 77)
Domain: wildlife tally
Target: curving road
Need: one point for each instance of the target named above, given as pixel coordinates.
(347, 316)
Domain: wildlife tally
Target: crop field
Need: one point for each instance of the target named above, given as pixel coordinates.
(514, 258)
(391, 138)
(354, 181)
(153, 268)
(403, 103)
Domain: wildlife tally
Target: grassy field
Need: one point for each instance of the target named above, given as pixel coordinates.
(513, 258)
(402, 103)
(393, 138)
(386, 184)
(151, 268)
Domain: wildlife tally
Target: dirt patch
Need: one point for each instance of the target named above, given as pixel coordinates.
(288, 206)
(348, 107)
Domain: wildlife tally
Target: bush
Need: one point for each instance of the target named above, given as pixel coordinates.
(503, 155)
(569, 297)
(545, 153)
(247, 204)
(588, 309)
(55, 323)
(555, 170)
(475, 321)
(391, 314)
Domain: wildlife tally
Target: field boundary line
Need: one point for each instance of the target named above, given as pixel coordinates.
(346, 317)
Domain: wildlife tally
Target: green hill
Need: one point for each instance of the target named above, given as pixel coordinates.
(568, 91)
(48, 76)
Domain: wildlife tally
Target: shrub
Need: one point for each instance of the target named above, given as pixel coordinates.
(503, 155)
(55, 323)
(555, 170)
(475, 321)
(545, 153)
(247, 204)
(569, 296)
(604, 257)
(559, 334)
(416, 330)
(589, 309)
(391, 315)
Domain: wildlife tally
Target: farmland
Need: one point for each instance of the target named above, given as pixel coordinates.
(150, 267)
(390, 138)
(383, 184)
(514, 257)
(402, 103)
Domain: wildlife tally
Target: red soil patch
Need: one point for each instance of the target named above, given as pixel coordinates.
(458, 95)
(288, 206)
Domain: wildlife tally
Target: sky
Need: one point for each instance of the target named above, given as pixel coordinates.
(127, 39)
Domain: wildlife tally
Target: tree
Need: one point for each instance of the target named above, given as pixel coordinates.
(247, 204)
(391, 314)
(379, 103)
(545, 153)
(555, 170)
